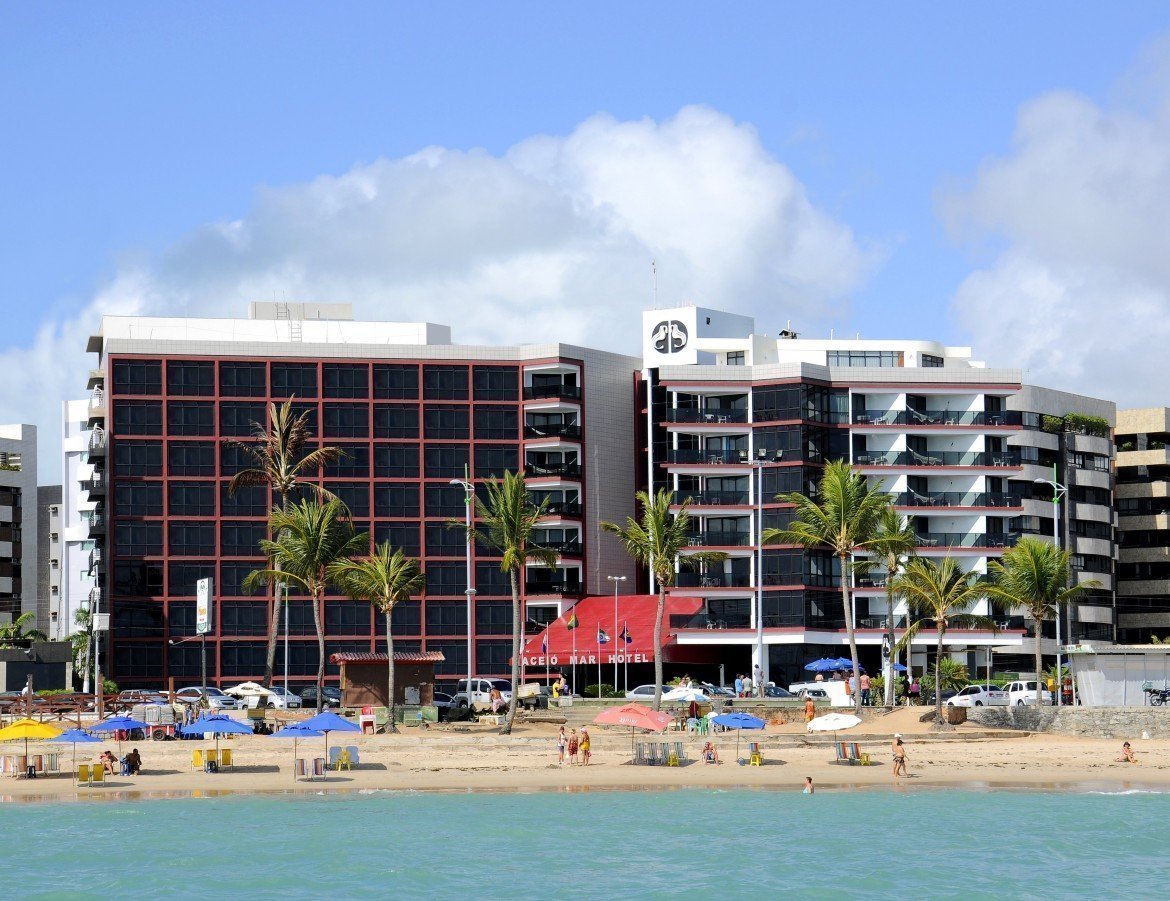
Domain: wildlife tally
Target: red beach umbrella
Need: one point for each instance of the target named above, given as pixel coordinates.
(636, 717)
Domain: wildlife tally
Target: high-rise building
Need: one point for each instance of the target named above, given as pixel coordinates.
(1143, 524)
(18, 521)
(411, 412)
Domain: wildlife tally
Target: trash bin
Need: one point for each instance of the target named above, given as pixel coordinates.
(956, 716)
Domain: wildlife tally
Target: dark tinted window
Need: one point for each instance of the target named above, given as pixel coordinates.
(354, 462)
(248, 500)
(138, 538)
(183, 576)
(496, 422)
(445, 382)
(399, 535)
(444, 500)
(138, 499)
(446, 618)
(138, 578)
(241, 418)
(446, 461)
(495, 461)
(191, 499)
(190, 378)
(243, 379)
(347, 420)
(395, 381)
(396, 500)
(242, 539)
(444, 540)
(355, 497)
(496, 383)
(137, 377)
(345, 380)
(192, 539)
(446, 422)
(395, 421)
(294, 378)
(191, 458)
(138, 458)
(138, 417)
(396, 461)
(446, 578)
(231, 579)
(232, 459)
(347, 617)
(186, 417)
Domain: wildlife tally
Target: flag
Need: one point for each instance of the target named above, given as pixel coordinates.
(544, 644)
(602, 637)
(626, 636)
(571, 622)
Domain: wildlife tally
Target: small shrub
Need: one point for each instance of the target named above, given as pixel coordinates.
(601, 691)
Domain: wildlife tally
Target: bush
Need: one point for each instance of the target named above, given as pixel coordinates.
(109, 686)
(953, 676)
(1053, 424)
(601, 691)
(1087, 425)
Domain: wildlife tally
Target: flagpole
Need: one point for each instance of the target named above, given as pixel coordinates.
(626, 659)
(573, 687)
(599, 658)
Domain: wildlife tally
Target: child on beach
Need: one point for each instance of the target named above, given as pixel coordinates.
(574, 746)
(562, 745)
(585, 746)
(1127, 755)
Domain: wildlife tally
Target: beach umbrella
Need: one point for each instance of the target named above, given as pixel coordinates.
(636, 717)
(296, 731)
(833, 722)
(327, 721)
(823, 665)
(27, 729)
(119, 724)
(738, 722)
(898, 668)
(217, 725)
(76, 737)
(686, 696)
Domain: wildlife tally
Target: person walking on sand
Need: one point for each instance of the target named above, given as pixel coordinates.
(574, 747)
(585, 754)
(810, 710)
(562, 746)
(899, 757)
(865, 689)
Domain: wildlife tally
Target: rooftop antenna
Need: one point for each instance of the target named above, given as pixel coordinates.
(654, 281)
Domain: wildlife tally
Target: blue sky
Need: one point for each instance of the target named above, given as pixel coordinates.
(130, 127)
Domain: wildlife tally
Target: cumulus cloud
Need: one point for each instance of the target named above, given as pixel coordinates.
(552, 240)
(1080, 294)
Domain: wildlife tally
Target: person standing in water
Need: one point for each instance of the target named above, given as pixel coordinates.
(808, 786)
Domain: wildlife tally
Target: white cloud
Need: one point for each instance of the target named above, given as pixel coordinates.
(552, 240)
(1081, 294)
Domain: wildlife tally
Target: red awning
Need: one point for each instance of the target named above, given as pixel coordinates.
(580, 645)
(399, 657)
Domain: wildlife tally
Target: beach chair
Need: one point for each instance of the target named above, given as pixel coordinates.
(97, 775)
(54, 763)
(352, 751)
(318, 767)
(197, 759)
(83, 774)
(300, 771)
(692, 726)
(755, 755)
(639, 753)
(37, 763)
(672, 753)
(225, 757)
(680, 751)
(341, 759)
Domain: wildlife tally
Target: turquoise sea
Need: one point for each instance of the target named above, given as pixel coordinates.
(692, 843)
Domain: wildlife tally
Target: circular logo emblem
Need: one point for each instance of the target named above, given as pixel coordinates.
(669, 336)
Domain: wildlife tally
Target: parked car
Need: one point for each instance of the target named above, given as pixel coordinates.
(481, 693)
(216, 699)
(132, 696)
(715, 691)
(817, 694)
(775, 691)
(644, 693)
(284, 700)
(1023, 693)
(331, 696)
(979, 696)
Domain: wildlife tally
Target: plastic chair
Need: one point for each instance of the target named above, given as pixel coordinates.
(756, 757)
(692, 726)
(225, 757)
(196, 759)
(353, 755)
(83, 774)
(97, 775)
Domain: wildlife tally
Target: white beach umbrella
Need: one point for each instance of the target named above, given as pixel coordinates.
(685, 696)
(833, 722)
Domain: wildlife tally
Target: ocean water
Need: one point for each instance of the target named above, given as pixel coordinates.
(693, 843)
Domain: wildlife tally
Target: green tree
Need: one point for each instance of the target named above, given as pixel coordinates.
(1034, 575)
(385, 579)
(81, 647)
(15, 635)
(279, 461)
(943, 593)
(843, 522)
(507, 519)
(656, 542)
(895, 539)
(311, 537)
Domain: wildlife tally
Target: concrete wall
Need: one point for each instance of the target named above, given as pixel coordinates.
(1093, 722)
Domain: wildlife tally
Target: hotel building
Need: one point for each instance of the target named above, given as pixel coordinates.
(19, 583)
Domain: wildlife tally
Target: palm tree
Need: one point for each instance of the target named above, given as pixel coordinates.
(895, 539)
(14, 634)
(843, 523)
(656, 542)
(507, 520)
(81, 646)
(279, 462)
(1034, 575)
(944, 593)
(385, 578)
(311, 537)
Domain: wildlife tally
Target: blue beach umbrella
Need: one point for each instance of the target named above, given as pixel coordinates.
(898, 668)
(218, 725)
(295, 731)
(76, 737)
(119, 724)
(327, 721)
(738, 722)
(824, 665)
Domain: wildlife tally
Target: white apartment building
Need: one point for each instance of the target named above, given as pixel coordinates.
(18, 521)
(79, 561)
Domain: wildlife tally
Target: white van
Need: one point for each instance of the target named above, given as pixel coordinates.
(1023, 693)
(481, 693)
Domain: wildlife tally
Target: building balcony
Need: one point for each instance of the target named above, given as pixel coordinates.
(553, 470)
(937, 458)
(537, 432)
(95, 485)
(704, 415)
(966, 540)
(97, 443)
(570, 547)
(552, 587)
(687, 579)
(97, 405)
(96, 564)
(97, 524)
(714, 498)
(563, 508)
(552, 392)
(719, 539)
(957, 499)
(709, 457)
(1006, 418)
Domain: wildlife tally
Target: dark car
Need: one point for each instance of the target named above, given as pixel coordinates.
(775, 691)
(332, 696)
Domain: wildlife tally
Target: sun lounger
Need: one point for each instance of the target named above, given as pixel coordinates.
(352, 750)
(318, 767)
(97, 775)
(225, 757)
(850, 752)
(83, 774)
(300, 770)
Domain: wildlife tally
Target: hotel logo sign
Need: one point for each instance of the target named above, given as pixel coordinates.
(669, 336)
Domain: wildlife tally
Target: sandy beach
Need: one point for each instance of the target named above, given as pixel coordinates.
(462, 757)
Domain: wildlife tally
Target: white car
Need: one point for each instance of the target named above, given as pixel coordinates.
(1023, 693)
(644, 693)
(284, 700)
(216, 699)
(979, 696)
(481, 693)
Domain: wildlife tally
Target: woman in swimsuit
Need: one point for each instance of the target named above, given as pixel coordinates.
(574, 746)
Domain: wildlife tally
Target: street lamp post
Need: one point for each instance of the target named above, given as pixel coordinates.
(1058, 493)
(758, 468)
(615, 580)
(469, 501)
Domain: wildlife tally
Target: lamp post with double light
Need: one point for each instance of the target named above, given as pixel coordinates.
(1058, 493)
(763, 457)
(616, 581)
(469, 502)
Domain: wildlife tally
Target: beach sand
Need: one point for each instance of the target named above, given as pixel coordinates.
(470, 757)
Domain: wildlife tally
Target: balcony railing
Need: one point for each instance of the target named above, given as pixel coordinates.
(714, 498)
(97, 441)
(966, 539)
(97, 523)
(719, 539)
(937, 458)
(709, 621)
(544, 392)
(688, 579)
(706, 415)
(544, 470)
(95, 484)
(563, 508)
(572, 546)
(565, 430)
(556, 586)
(956, 499)
(937, 417)
(694, 455)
